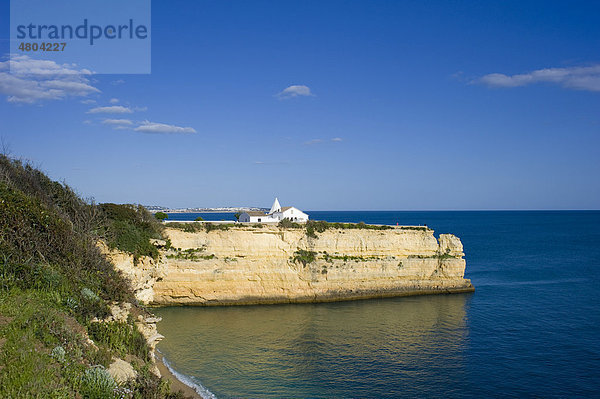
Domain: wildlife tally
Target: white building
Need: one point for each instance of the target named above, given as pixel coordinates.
(275, 215)
(254, 217)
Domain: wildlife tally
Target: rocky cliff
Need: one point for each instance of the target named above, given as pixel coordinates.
(268, 264)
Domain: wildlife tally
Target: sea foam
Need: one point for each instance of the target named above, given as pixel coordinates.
(190, 381)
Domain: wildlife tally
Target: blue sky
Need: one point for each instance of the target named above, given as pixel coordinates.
(389, 105)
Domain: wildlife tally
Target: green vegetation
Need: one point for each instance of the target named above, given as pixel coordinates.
(196, 227)
(321, 226)
(217, 226)
(313, 227)
(330, 258)
(121, 338)
(304, 257)
(55, 285)
(161, 216)
(97, 383)
(436, 256)
(191, 254)
(187, 227)
(130, 228)
(288, 224)
(237, 215)
(199, 219)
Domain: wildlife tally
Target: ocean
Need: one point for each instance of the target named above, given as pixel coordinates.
(531, 328)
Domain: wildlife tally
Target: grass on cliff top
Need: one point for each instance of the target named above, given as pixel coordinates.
(312, 227)
(205, 226)
(53, 283)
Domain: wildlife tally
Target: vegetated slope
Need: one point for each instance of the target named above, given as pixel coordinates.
(55, 285)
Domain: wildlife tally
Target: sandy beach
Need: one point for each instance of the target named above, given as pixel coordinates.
(176, 385)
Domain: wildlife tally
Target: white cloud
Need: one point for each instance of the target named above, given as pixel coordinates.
(115, 109)
(579, 78)
(162, 128)
(89, 101)
(313, 141)
(294, 91)
(27, 80)
(113, 100)
(270, 163)
(321, 141)
(117, 122)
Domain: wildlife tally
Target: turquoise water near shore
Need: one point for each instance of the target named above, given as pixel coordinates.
(530, 329)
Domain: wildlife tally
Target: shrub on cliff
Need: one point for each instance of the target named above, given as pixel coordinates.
(288, 224)
(304, 257)
(319, 226)
(130, 228)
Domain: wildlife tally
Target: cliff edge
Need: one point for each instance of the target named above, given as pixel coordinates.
(269, 264)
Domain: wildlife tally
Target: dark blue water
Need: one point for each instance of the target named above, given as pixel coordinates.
(208, 216)
(531, 329)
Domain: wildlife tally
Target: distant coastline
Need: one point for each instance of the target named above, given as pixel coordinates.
(155, 209)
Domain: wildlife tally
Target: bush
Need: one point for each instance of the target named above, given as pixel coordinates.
(58, 353)
(161, 216)
(217, 226)
(129, 228)
(199, 219)
(304, 257)
(318, 226)
(43, 250)
(121, 337)
(96, 383)
(187, 227)
(288, 224)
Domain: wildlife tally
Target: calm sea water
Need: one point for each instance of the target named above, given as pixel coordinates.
(532, 328)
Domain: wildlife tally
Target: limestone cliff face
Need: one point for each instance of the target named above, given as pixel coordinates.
(249, 265)
(142, 273)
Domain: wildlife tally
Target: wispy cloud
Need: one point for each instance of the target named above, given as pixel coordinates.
(113, 100)
(270, 163)
(313, 142)
(117, 82)
(114, 109)
(27, 80)
(294, 91)
(578, 78)
(117, 122)
(88, 101)
(321, 141)
(163, 128)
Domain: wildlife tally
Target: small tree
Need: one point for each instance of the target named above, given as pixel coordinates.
(161, 216)
(237, 216)
(199, 219)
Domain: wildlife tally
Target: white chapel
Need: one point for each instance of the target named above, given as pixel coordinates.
(275, 215)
